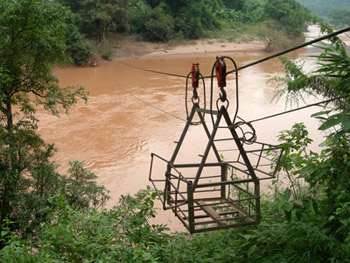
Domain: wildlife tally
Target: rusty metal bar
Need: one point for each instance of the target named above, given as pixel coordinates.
(217, 155)
(233, 182)
(239, 144)
(209, 145)
(190, 208)
(223, 179)
(182, 137)
(208, 111)
(194, 165)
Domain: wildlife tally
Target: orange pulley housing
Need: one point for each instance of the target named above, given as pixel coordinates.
(195, 75)
(220, 69)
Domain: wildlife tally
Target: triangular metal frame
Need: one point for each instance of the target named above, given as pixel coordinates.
(186, 196)
(222, 113)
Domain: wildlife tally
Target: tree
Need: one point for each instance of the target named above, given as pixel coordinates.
(235, 4)
(340, 17)
(101, 16)
(160, 27)
(327, 173)
(78, 47)
(194, 17)
(32, 40)
(323, 8)
(290, 14)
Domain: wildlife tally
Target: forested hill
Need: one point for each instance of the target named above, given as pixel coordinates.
(167, 20)
(336, 12)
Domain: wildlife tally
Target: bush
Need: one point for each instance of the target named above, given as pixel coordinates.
(160, 27)
(189, 28)
(105, 50)
(142, 14)
(122, 234)
(274, 37)
(80, 49)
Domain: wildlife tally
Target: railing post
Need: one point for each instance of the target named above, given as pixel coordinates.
(223, 179)
(190, 207)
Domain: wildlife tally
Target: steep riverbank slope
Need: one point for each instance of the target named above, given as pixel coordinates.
(128, 47)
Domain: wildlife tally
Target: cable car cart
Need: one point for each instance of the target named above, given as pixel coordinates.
(221, 188)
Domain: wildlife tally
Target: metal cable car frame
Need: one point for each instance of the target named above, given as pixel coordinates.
(220, 194)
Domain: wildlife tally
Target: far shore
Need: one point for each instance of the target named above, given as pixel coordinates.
(208, 46)
(128, 48)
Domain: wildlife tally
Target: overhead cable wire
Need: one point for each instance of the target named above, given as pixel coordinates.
(246, 66)
(255, 120)
(159, 109)
(297, 109)
(293, 48)
(153, 71)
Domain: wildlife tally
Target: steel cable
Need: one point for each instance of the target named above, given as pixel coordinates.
(243, 67)
(157, 108)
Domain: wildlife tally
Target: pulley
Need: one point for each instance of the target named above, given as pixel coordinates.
(195, 75)
(220, 69)
(195, 79)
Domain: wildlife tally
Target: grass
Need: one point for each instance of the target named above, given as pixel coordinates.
(237, 33)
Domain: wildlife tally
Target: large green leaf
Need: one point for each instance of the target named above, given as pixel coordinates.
(330, 123)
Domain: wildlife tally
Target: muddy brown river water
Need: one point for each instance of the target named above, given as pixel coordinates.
(115, 132)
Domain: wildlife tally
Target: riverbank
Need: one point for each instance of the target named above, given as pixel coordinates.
(207, 46)
(128, 47)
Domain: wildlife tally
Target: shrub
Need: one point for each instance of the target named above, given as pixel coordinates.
(80, 48)
(274, 37)
(160, 27)
(105, 50)
(82, 51)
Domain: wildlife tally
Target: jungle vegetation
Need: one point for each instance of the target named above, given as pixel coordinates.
(92, 22)
(47, 216)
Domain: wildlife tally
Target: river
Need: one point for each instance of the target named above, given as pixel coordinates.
(130, 113)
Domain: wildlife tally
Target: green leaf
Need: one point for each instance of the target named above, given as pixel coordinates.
(251, 250)
(247, 237)
(287, 193)
(288, 215)
(338, 135)
(346, 123)
(320, 113)
(298, 203)
(330, 123)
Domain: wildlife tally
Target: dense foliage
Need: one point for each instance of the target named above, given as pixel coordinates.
(161, 20)
(290, 14)
(328, 172)
(31, 42)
